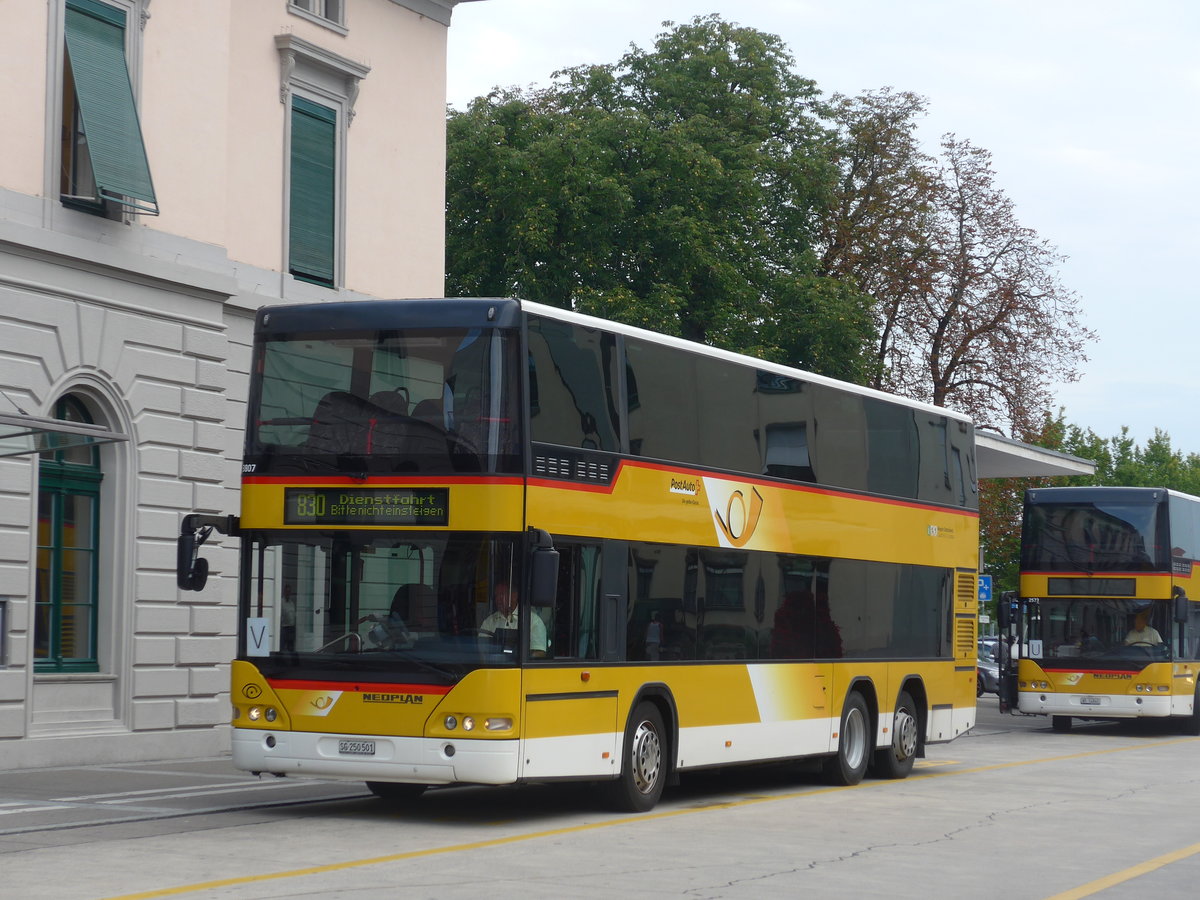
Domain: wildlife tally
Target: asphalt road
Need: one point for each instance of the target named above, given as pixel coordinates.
(1012, 810)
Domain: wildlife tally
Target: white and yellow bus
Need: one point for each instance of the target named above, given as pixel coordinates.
(715, 560)
(1104, 622)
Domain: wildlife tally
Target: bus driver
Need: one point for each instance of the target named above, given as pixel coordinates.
(1142, 632)
(507, 615)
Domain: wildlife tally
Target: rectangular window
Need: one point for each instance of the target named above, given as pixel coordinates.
(103, 156)
(663, 414)
(67, 563)
(329, 11)
(572, 390)
(312, 232)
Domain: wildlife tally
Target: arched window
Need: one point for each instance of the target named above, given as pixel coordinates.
(68, 543)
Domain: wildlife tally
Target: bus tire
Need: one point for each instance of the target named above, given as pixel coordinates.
(849, 764)
(396, 791)
(643, 762)
(897, 760)
(1191, 725)
(1060, 723)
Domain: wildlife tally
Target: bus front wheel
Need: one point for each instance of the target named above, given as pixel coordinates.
(897, 760)
(1191, 725)
(643, 762)
(849, 764)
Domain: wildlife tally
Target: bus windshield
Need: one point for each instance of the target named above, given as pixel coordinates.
(1115, 633)
(1100, 536)
(383, 606)
(395, 401)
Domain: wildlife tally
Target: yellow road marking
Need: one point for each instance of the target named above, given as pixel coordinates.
(1082, 891)
(1150, 865)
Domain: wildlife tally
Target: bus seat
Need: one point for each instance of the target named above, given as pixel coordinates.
(392, 402)
(338, 424)
(422, 608)
(430, 411)
(410, 445)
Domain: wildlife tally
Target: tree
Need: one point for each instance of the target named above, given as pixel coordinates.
(876, 233)
(679, 189)
(1120, 461)
(969, 310)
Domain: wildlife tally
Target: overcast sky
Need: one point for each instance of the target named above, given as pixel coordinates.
(1091, 109)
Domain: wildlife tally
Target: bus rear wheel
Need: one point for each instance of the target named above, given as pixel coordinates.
(643, 762)
(897, 760)
(849, 764)
(395, 791)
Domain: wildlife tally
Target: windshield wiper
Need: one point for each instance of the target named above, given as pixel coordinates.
(421, 663)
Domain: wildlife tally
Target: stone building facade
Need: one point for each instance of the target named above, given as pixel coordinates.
(166, 169)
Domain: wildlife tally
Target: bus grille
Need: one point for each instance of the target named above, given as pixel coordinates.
(966, 614)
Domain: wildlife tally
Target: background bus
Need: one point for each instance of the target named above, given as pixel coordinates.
(1103, 617)
(717, 560)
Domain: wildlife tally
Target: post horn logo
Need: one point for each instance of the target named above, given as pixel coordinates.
(251, 691)
(741, 517)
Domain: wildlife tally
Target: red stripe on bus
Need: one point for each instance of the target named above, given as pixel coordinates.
(567, 484)
(379, 480)
(1157, 573)
(288, 684)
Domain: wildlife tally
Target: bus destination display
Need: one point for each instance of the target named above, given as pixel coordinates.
(366, 506)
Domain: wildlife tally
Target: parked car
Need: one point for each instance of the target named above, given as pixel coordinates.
(989, 648)
(987, 676)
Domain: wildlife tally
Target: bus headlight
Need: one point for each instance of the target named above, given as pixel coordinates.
(451, 723)
(468, 723)
(498, 723)
(254, 713)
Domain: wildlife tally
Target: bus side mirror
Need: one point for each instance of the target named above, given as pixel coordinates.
(1004, 609)
(191, 571)
(1181, 605)
(543, 564)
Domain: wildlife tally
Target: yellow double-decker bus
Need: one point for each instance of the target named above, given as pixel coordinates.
(1104, 627)
(486, 541)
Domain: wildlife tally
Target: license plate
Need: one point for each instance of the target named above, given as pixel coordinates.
(357, 748)
(1089, 701)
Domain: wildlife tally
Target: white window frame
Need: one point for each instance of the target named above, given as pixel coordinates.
(329, 14)
(324, 77)
(137, 12)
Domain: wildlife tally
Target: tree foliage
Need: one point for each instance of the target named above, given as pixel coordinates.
(1120, 461)
(679, 189)
(969, 309)
(702, 188)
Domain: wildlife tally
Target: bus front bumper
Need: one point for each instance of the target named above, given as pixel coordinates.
(373, 757)
(1097, 706)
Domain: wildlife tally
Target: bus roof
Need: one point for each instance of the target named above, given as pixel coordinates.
(717, 353)
(501, 312)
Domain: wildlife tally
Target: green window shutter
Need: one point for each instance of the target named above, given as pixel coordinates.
(96, 52)
(313, 197)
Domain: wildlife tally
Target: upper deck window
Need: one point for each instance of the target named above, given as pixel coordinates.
(1100, 536)
(395, 402)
